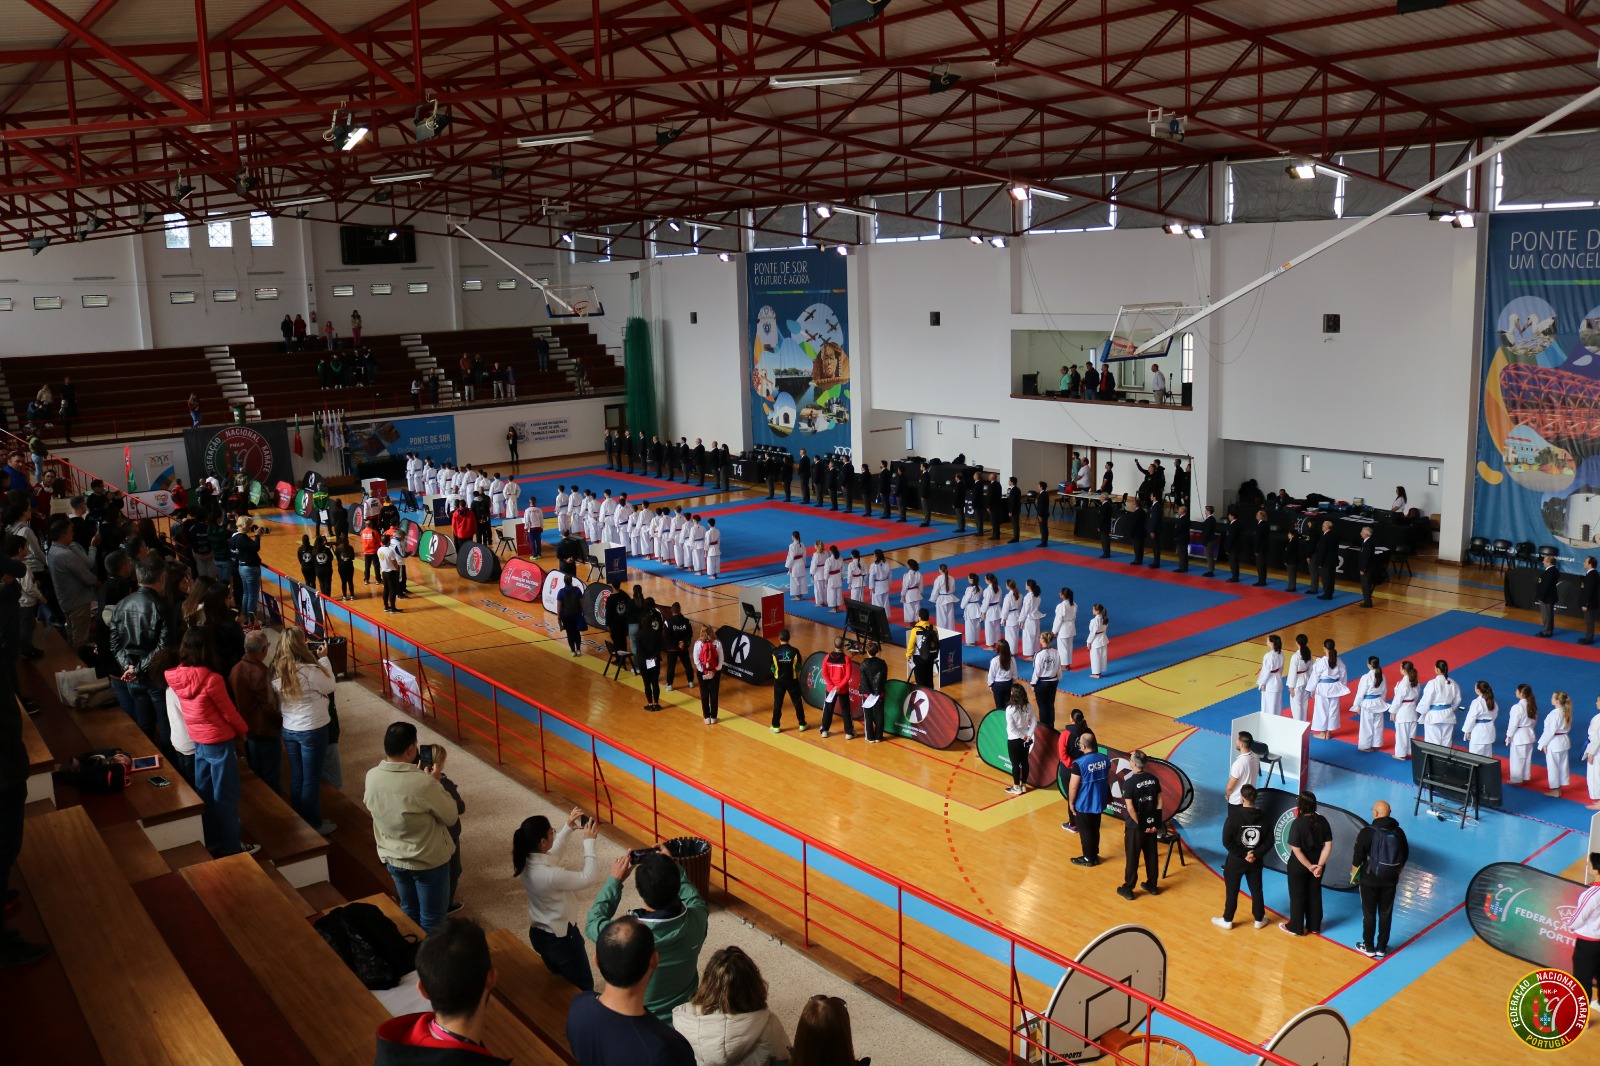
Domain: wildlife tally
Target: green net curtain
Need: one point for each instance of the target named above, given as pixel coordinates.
(641, 373)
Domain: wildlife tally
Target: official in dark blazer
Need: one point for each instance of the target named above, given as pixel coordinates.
(1108, 513)
(1181, 526)
(1155, 531)
(1232, 534)
(1291, 558)
(1262, 533)
(1589, 599)
(700, 462)
(803, 468)
(611, 450)
(1549, 589)
(959, 487)
(864, 481)
(996, 496)
(788, 478)
(1135, 526)
(1014, 510)
(1041, 506)
(883, 485)
(821, 476)
(835, 482)
(898, 483)
(925, 494)
(631, 449)
(847, 476)
(1311, 538)
(1208, 540)
(1327, 559)
(1366, 565)
(975, 494)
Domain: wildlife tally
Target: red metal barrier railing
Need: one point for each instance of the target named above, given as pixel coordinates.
(567, 756)
(76, 479)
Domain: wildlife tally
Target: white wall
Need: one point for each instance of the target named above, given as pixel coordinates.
(108, 267)
(701, 385)
(1335, 473)
(481, 435)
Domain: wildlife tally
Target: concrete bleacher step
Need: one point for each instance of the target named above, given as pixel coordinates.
(323, 1003)
(136, 1000)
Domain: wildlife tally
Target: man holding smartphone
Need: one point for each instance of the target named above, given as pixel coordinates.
(411, 819)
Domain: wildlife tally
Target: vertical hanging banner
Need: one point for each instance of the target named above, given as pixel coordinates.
(1538, 473)
(799, 350)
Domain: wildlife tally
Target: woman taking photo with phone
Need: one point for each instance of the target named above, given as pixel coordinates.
(303, 682)
(535, 861)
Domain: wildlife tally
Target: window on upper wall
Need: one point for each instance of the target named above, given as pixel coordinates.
(177, 231)
(1186, 353)
(219, 234)
(260, 230)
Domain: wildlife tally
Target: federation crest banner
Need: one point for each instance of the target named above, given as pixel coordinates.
(799, 351)
(1538, 472)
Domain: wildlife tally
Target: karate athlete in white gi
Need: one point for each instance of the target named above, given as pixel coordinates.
(1270, 679)
(1403, 709)
(879, 574)
(1328, 686)
(835, 577)
(991, 611)
(972, 611)
(1371, 704)
(855, 572)
(713, 549)
(1440, 698)
(911, 592)
(1477, 728)
(1065, 627)
(795, 562)
(511, 494)
(818, 569)
(1011, 614)
(1031, 616)
(944, 598)
(559, 507)
(1297, 677)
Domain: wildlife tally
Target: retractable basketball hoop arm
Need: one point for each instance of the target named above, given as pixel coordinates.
(544, 290)
(1482, 157)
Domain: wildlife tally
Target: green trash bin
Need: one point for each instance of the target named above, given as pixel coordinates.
(693, 856)
(238, 414)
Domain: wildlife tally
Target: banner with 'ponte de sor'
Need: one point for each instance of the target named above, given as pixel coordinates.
(1538, 470)
(799, 350)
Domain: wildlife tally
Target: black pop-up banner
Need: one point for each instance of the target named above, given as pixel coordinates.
(1524, 912)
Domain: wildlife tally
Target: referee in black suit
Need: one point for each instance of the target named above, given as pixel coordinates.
(1590, 599)
(1549, 584)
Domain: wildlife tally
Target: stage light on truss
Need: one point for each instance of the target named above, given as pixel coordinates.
(1176, 229)
(497, 173)
(1301, 170)
(302, 212)
(1197, 233)
(183, 191)
(997, 241)
(724, 257)
(843, 249)
(542, 140)
(248, 183)
(1463, 220)
(824, 210)
(845, 13)
(430, 125)
(382, 196)
(393, 235)
(941, 80)
(394, 179)
(566, 238)
(149, 216)
(343, 135)
(665, 137)
(38, 244)
(811, 81)
(1019, 193)
(95, 222)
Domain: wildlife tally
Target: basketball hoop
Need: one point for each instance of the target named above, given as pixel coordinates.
(1146, 1049)
(580, 307)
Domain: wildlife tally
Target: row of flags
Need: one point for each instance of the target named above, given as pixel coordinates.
(328, 430)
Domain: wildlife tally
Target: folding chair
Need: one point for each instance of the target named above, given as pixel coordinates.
(1169, 836)
(1269, 762)
(751, 618)
(503, 545)
(617, 658)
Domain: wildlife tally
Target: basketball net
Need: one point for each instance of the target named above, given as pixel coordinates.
(1143, 1049)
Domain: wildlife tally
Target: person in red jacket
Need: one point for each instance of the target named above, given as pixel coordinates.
(463, 524)
(371, 541)
(455, 974)
(214, 724)
(837, 677)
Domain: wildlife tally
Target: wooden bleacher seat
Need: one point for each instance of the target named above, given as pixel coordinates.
(533, 993)
(134, 995)
(507, 1031)
(325, 1004)
(126, 393)
(41, 763)
(299, 852)
(169, 816)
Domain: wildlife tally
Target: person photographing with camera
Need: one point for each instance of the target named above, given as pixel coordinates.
(673, 912)
(411, 819)
(535, 850)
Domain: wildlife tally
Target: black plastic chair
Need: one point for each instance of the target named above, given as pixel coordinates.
(1524, 556)
(617, 657)
(1547, 551)
(1501, 552)
(1269, 762)
(1479, 549)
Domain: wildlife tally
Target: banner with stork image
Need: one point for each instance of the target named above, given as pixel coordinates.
(1538, 472)
(799, 351)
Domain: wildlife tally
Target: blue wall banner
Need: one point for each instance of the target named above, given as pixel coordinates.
(800, 351)
(430, 436)
(1538, 474)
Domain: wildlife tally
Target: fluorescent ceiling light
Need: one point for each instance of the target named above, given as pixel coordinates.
(974, 238)
(674, 225)
(704, 225)
(1049, 194)
(1197, 232)
(1175, 228)
(566, 238)
(843, 249)
(824, 211)
(725, 257)
(1463, 220)
(807, 81)
(998, 242)
(1301, 171)
(410, 175)
(298, 201)
(829, 210)
(1019, 192)
(541, 139)
(353, 138)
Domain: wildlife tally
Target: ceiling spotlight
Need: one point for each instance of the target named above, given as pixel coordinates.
(248, 183)
(38, 244)
(725, 257)
(150, 216)
(940, 80)
(302, 212)
(394, 235)
(665, 137)
(1301, 171)
(829, 210)
(1019, 192)
(1177, 229)
(824, 211)
(843, 249)
(95, 222)
(183, 191)
(393, 179)
(382, 196)
(429, 125)
(497, 173)
(809, 81)
(974, 238)
(1463, 220)
(540, 140)
(1439, 214)
(1197, 232)
(345, 135)
(672, 224)
(566, 238)
(997, 241)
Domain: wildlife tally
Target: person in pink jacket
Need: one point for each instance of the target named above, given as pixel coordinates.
(214, 725)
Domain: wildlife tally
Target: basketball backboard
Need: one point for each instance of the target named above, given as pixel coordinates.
(1084, 1007)
(1136, 324)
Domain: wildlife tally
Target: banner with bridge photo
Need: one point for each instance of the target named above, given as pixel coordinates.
(1538, 472)
(800, 350)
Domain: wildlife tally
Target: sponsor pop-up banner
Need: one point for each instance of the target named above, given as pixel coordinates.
(1524, 912)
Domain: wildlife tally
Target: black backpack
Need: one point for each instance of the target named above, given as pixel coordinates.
(99, 771)
(369, 943)
(1383, 855)
(926, 646)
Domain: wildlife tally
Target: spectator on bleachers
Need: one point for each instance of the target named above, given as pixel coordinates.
(823, 1036)
(435, 383)
(534, 850)
(330, 336)
(14, 951)
(416, 394)
(214, 725)
(245, 547)
(497, 381)
(324, 373)
(193, 406)
(74, 580)
(355, 329)
(510, 374)
(617, 1027)
(456, 974)
(139, 627)
(338, 372)
(465, 364)
(727, 1023)
(182, 750)
(411, 813)
(674, 913)
(69, 405)
(18, 639)
(303, 681)
(299, 331)
(286, 327)
(251, 681)
(454, 792)
(38, 452)
(541, 352)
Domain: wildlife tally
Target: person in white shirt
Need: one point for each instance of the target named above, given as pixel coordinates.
(1585, 929)
(1400, 504)
(713, 549)
(1477, 728)
(1522, 734)
(511, 494)
(944, 598)
(855, 573)
(1099, 640)
(1158, 384)
(1020, 722)
(991, 611)
(1437, 705)
(1046, 676)
(1328, 677)
(533, 522)
(795, 562)
(608, 519)
(911, 592)
(497, 496)
(697, 545)
(1085, 479)
(1297, 677)
(559, 506)
(1002, 675)
(1591, 755)
(534, 849)
(880, 574)
(389, 571)
(1244, 770)
(1270, 678)
(833, 574)
(1555, 743)
(817, 567)
(1011, 613)
(1065, 626)
(411, 472)
(1371, 704)
(1031, 616)
(430, 478)
(1403, 709)
(972, 610)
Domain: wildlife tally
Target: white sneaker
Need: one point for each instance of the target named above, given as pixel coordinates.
(1262, 924)
(1222, 923)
